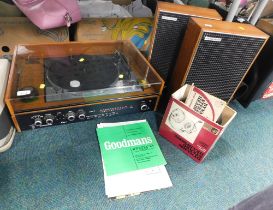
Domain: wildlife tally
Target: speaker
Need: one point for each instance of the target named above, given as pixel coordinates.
(217, 55)
(259, 79)
(169, 28)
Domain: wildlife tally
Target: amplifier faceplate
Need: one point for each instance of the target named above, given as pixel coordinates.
(66, 115)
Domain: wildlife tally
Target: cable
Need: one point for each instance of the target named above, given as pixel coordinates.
(127, 28)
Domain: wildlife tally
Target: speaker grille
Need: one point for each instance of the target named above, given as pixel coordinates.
(167, 41)
(221, 61)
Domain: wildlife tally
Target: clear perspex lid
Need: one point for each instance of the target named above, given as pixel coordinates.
(51, 75)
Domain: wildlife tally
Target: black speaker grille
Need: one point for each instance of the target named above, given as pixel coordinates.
(221, 61)
(168, 38)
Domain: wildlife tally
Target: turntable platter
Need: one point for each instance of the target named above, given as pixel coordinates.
(81, 73)
(87, 76)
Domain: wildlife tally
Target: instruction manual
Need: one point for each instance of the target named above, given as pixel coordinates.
(134, 142)
(132, 160)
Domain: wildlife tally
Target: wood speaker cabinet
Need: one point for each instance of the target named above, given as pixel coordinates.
(216, 56)
(169, 28)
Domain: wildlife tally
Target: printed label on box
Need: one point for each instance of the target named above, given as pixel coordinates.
(184, 123)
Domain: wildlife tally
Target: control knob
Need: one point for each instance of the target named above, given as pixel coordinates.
(38, 121)
(144, 107)
(71, 116)
(49, 119)
(81, 114)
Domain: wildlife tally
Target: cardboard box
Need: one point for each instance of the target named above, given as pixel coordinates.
(266, 25)
(188, 130)
(19, 30)
(268, 10)
(138, 30)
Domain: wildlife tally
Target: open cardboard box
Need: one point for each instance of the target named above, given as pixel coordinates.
(191, 132)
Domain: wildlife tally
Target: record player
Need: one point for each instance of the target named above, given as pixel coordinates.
(87, 76)
(54, 84)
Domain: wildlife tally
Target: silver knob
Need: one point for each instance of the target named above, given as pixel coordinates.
(38, 121)
(49, 119)
(144, 107)
(81, 114)
(71, 116)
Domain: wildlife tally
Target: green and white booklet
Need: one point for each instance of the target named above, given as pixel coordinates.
(132, 159)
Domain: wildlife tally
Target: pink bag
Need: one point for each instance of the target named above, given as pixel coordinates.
(48, 14)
